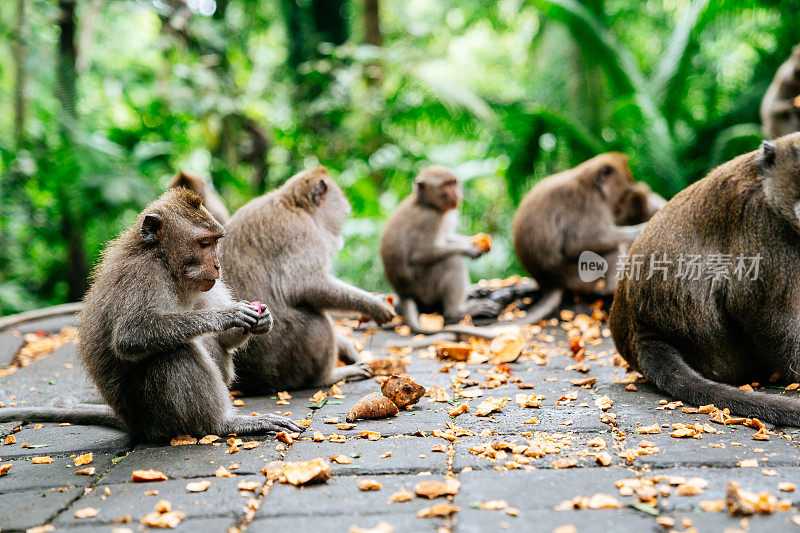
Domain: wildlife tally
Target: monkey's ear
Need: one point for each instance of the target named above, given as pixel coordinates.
(318, 192)
(604, 172)
(151, 226)
(767, 154)
(420, 186)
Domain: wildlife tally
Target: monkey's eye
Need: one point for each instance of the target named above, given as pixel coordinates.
(205, 243)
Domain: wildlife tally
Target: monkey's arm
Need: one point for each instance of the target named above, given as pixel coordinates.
(434, 253)
(138, 336)
(330, 293)
(233, 338)
(605, 241)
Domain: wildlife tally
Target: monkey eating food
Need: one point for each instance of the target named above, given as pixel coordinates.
(279, 248)
(734, 317)
(780, 109)
(158, 331)
(576, 211)
(423, 257)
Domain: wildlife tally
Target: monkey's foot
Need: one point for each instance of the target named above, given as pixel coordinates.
(252, 425)
(355, 372)
(479, 308)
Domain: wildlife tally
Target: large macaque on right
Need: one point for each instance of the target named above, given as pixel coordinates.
(780, 108)
(698, 332)
(593, 207)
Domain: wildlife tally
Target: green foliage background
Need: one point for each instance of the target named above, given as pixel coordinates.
(249, 92)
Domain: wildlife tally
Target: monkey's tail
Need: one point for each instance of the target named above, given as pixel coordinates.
(408, 308)
(663, 364)
(83, 414)
(547, 304)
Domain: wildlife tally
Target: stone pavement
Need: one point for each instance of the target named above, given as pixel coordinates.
(509, 455)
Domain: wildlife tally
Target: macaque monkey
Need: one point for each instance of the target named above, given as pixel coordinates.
(423, 257)
(279, 249)
(697, 333)
(158, 331)
(205, 190)
(639, 205)
(780, 108)
(572, 212)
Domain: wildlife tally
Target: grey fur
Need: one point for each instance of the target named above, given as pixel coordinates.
(279, 249)
(423, 257)
(157, 347)
(697, 339)
(779, 115)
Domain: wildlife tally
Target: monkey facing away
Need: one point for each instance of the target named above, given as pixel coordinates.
(204, 190)
(696, 333)
(159, 328)
(423, 257)
(279, 249)
(780, 111)
(571, 212)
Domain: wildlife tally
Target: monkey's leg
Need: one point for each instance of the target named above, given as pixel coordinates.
(254, 425)
(345, 349)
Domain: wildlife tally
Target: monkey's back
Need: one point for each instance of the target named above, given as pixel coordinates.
(553, 213)
(284, 250)
(711, 320)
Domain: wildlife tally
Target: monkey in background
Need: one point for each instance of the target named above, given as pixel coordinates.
(575, 211)
(780, 110)
(698, 337)
(279, 249)
(423, 257)
(158, 331)
(639, 205)
(205, 190)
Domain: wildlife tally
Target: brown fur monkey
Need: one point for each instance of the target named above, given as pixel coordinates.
(204, 190)
(780, 114)
(569, 213)
(159, 328)
(279, 249)
(697, 333)
(639, 205)
(423, 257)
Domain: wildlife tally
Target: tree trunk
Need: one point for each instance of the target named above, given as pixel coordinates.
(372, 23)
(21, 74)
(77, 264)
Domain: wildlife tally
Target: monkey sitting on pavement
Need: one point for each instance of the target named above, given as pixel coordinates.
(158, 331)
(572, 212)
(696, 333)
(279, 249)
(423, 257)
(780, 108)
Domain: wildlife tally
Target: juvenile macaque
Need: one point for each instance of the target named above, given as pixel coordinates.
(572, 212)
(639, 205)
(204, 190)
(696, 333)
(279, 249)
(780, 108)
(159, 328)
(423, 257)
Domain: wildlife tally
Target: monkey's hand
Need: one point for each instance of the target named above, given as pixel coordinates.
(239, 315)
(382, 313)
(473, 252)
(264, 324)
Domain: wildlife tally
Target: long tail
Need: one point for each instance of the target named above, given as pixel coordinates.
(662, 364)
(408, 308)
(547, 304)
(84, 414)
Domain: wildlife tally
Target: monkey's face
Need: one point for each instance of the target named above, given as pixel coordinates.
(441, 190)
(188, 240)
